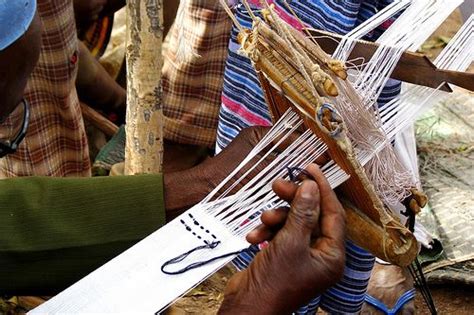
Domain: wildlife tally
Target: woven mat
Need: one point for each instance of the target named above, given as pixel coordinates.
(445, 139)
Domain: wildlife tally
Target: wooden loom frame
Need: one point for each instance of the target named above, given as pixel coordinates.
(370, 225)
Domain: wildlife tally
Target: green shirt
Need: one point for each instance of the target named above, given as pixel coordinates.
(54, 231)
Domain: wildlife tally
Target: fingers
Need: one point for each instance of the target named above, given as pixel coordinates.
(304, 211)
(306, 201)
(284, 189)
(275, 218)
(272, 220)
(319, 177)
(332, 219)
(260, 234)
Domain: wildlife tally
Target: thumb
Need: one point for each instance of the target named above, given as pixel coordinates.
(304, 212)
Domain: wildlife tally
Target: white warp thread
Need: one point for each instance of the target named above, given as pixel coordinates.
(133, 283)
(135, 275)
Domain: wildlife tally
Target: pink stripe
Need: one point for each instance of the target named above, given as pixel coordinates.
(283, 14)
(241, 111)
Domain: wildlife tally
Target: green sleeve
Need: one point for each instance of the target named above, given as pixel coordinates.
(54, 231)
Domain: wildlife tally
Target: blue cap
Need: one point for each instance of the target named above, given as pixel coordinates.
(15, 19)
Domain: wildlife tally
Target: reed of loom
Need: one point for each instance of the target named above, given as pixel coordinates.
(144, 128)
(369, 224)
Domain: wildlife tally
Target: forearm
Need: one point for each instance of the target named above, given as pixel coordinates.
(170, 8)
(54, 231)
(184, 189)
(95, 86)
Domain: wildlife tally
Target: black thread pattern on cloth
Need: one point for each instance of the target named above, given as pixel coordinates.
(197, 229)
(210, 242)
(194, 265)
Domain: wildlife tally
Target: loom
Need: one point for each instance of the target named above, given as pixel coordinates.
(329, 114)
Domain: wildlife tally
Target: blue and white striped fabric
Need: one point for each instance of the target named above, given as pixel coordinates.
(243, 105)
(347, 296)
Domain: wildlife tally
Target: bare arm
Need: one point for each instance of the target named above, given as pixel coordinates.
(95, 86)
(88, 11)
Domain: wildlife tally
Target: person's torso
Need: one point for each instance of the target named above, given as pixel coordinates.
(56, 144)
(243, 102)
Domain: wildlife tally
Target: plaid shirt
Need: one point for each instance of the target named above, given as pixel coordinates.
(192, 89)
(56, 143)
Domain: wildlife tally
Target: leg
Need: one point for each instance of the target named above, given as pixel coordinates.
(347, 297)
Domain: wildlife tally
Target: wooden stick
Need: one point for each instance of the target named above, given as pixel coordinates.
(412, 67)
(99, 121)
(30, 302)
(144, 128)
(372, 227)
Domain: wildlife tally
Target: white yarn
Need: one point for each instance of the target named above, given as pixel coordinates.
(135, 275)
(348, 41)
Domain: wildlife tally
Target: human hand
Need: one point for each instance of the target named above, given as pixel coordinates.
(199, 181)
(305, 257)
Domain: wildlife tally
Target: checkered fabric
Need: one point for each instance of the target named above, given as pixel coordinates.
(192, 88)
(56, 143)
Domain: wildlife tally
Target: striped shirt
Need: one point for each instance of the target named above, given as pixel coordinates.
(242, 101)
(243, 105)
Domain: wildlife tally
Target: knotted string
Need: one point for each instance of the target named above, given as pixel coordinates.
(294, 174)
(196, 264)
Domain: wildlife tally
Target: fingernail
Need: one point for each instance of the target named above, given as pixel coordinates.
(307, 194)
(308, 189)
(305, 207)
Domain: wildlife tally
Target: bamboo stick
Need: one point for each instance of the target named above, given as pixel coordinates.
(99, 121)
(30, 302)
(144, 128)
(372, 227)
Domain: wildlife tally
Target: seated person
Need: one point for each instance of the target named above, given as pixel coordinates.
(56, 143)
(54, 231)
(243, 105)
